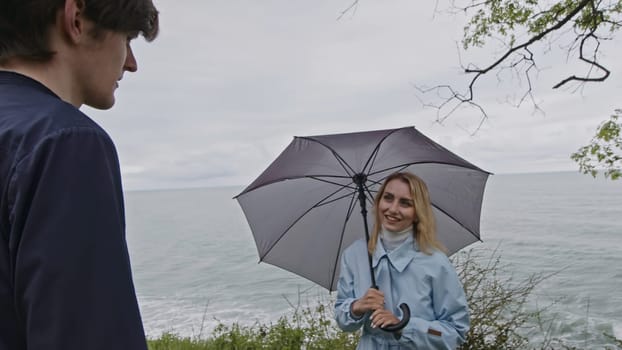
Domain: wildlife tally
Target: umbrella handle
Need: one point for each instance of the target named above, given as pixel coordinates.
(403, 322)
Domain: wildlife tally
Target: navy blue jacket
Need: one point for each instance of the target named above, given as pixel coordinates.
(65, 277)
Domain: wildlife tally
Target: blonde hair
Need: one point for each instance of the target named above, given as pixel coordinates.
(424, 228)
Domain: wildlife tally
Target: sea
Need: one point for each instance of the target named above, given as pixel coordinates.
(195, 263)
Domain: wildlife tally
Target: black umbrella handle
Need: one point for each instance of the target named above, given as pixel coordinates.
(403, 322)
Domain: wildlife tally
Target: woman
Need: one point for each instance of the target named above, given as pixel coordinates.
(410, 267)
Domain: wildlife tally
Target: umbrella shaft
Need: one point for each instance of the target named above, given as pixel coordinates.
(360, 179)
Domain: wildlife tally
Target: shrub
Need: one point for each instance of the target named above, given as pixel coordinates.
(496, 303)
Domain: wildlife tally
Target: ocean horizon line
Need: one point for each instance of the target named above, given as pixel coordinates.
(242, 186)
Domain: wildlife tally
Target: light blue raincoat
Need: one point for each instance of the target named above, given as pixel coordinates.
(427, 283)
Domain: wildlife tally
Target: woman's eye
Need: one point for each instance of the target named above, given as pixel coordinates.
(406, 203)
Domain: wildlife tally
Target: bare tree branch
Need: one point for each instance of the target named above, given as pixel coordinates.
(353, 5)
(525, 63)
(592, 63)
(580, 40)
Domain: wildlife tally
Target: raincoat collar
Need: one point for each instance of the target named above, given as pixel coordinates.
(399, 257)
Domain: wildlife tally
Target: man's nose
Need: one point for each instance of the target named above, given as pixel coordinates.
(130, 60)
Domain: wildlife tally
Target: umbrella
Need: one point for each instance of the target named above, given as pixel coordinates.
(303, 209)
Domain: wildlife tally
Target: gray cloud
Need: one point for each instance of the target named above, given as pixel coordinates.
(228, 84)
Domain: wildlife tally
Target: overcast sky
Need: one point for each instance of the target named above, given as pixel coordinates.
(227, 84)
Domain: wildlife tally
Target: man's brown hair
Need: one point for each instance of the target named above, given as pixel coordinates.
(24, 24)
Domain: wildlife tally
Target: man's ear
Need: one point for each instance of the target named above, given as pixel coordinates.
(73, 20)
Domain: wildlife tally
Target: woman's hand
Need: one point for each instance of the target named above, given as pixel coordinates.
(382, 318)
(372, 300)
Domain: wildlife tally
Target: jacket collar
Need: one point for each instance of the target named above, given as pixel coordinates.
(15, 78)
(399, 257)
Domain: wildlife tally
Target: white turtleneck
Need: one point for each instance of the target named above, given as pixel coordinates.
(391, 240)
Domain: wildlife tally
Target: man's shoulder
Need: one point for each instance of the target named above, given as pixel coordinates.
(30, 117)
(47, 114)
(27, 105)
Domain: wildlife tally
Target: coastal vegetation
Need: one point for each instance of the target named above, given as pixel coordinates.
(604, 152)
(500, 319)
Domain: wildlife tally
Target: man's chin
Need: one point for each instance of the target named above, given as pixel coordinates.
(102, 104)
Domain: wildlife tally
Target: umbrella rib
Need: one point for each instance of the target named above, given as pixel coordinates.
(376, 182)
(246, 190)
(343, 229)
(316, 177)
(322, 202)
(341, 161)
(400, 167)
(343, 164)
(296, 221)
(370, 196)
(372, 157)
(334, 200)
(456, 221)
(404, 166)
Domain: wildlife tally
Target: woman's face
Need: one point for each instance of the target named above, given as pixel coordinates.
(397, 207)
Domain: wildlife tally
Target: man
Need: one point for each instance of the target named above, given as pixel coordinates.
(65, 277)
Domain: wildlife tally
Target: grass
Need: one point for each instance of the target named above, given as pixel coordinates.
(311, 328)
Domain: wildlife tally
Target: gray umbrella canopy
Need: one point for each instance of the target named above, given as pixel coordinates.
(303, 209)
